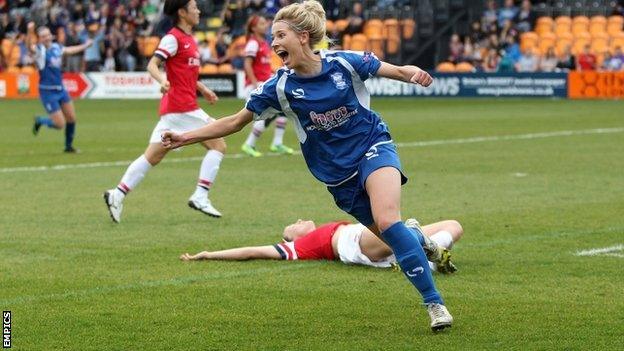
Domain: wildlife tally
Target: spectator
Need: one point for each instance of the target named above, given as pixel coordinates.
(490, 62)
(586, 61)
(456, 49)
(507, 30)
(528, 62)
(567, 61)
(205, 53)
(616, 62)
(468, 49)
(548, 63)
(490, 14)
(512, 49)
(73, 62)
(109, 61)
(355, 19)
(508, 12)
(477, 35)
(128, 53)
(92, 55)
(525, 19)
(235, 17)
(506, 63)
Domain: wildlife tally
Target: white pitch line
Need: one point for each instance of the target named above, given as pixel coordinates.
(609, 251)
(402, 145)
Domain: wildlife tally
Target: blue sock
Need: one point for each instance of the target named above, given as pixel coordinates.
(69, 134)
(46, 121)
(407, 247)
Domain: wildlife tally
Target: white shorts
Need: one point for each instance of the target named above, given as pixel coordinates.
(180, 123)
(350, 251)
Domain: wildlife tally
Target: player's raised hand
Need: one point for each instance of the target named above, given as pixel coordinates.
(421, 77)
(209, 95)
(165, 86)
(171, 140)
(31, 27)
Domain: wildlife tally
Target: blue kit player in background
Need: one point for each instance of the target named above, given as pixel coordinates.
(345, 144)
(55, 99)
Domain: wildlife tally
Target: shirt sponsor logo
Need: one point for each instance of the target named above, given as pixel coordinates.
(187, 45)
(330, 119)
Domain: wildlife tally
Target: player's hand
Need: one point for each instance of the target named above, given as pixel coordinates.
(209, 95)
(30, 27)
(88, 43)
(421, 77)
(165, 86)
(171, 140)
(185, 257)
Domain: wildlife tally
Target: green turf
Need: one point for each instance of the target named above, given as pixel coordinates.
(76, 281)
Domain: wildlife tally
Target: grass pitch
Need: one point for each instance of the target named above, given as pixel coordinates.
(529, 203)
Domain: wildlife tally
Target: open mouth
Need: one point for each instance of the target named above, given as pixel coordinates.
(283, 54)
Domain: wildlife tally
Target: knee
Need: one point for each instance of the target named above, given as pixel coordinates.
(154, 159)
(385, 222)
(219, 145)
(60, 124)
(456, 230)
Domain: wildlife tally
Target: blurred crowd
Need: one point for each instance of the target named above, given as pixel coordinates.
(493, 44)
(124, 32)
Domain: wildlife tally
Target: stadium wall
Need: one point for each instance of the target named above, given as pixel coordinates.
(139, 85)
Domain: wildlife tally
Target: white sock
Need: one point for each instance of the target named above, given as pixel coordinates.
(280, 128)
(443, 238)
(433, 266)
(208, 172)
(256, 131)
(133, 176)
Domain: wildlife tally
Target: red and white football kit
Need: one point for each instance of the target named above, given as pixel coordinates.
(316, 245)
(260, 51)
(179, 110)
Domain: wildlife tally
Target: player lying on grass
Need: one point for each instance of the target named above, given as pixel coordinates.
(349, 243)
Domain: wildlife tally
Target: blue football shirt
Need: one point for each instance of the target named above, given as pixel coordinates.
(49, 61)
(330, 112)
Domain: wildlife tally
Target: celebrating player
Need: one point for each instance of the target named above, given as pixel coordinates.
(257, 71)
(349, 243)
(179, 110)
(346, 145)
(54, 97)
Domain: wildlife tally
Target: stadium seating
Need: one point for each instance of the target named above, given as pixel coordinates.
(445, 67)
(464, 67)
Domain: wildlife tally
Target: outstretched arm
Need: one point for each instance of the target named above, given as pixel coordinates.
(219, 128)
(408, 74)
(71, 50)
(239, 254)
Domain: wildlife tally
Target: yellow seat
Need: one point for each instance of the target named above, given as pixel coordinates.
(408, 28)
(209, 69)
(225, 68)
(359, 42)
(464, 67)
(445, 67)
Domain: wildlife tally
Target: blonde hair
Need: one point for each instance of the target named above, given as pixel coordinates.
(308, 16)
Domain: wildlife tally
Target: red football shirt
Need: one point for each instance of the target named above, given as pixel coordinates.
(587, 62)
(316, 245)
(182, 62)
(261, 54)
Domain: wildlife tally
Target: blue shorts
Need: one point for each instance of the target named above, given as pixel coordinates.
(351, 195)
(52, 99)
